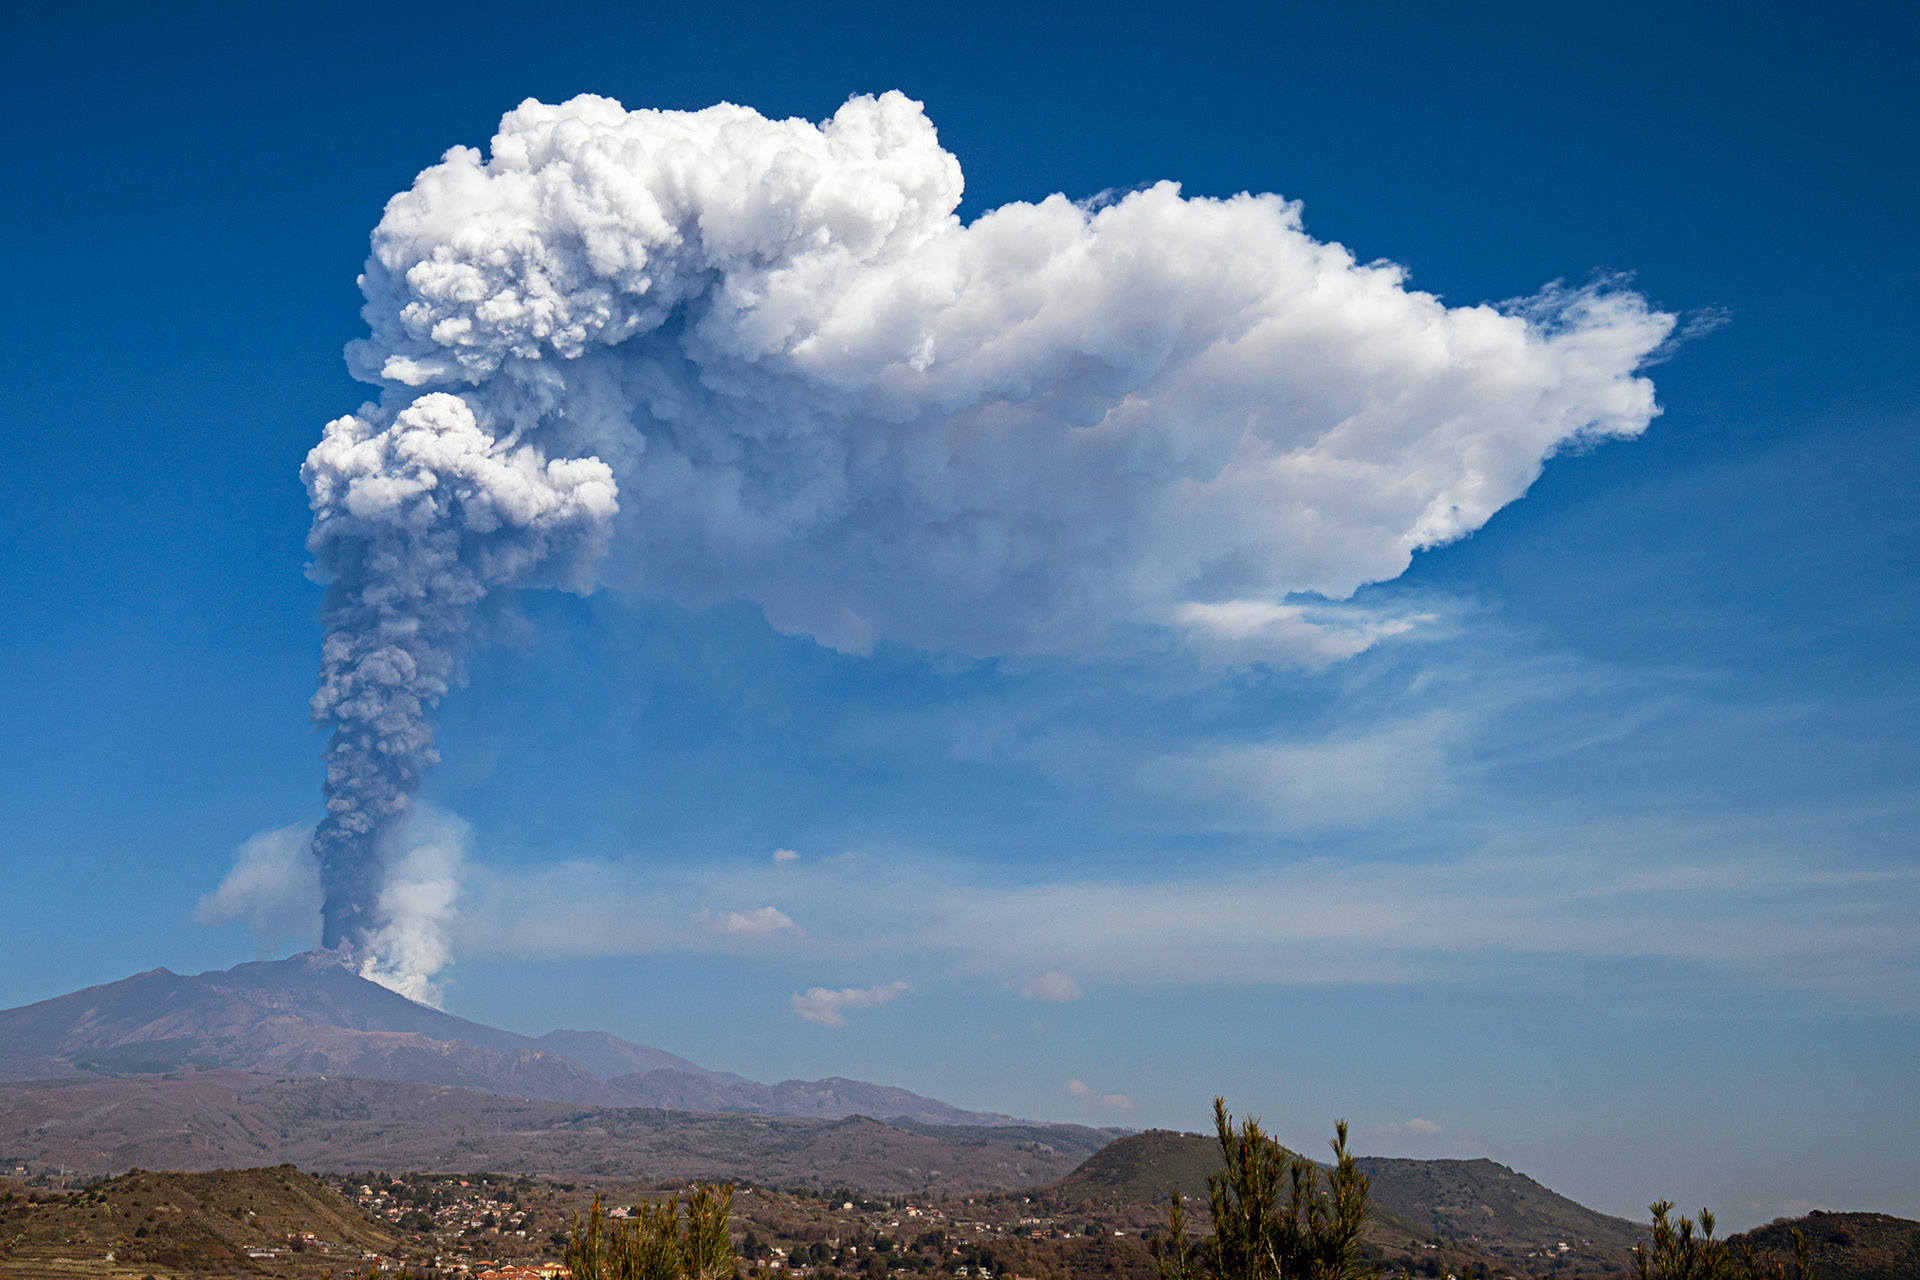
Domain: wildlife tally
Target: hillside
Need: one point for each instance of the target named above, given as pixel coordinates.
(1141, 1170)
(309, 1015)
(1488, 1202)
(167, 1223)
(203, 1119)
(1446, 1211)
(1847, 1246)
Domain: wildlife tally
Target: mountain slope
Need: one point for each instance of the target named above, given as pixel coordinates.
(832, 1098)
(609, 1056)
(311, 1016)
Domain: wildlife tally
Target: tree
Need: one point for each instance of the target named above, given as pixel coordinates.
(1276, 1215)
(655, 1243)
(1679, 1253)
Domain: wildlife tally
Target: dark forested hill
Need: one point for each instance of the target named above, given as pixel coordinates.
(1478, 1199)
(1142, 1170)
(1848, 1246)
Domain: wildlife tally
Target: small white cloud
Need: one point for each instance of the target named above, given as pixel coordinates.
(273, 888)
(1114, 1101)
(1416, 1125)
(1053, 986)
(761, 922)
(785, 855)
(825, 1006)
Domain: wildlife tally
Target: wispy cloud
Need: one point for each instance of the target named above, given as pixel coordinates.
(1116, 1101)
(1423, 1128)
(761, 922)
(1054, 986)
(1739, 897)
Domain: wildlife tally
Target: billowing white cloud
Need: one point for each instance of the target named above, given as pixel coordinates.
(1053, 986)
(273, 889)
(761, 922)
(819, 390)
(827, 1007)
(712, 356)
(785, 855)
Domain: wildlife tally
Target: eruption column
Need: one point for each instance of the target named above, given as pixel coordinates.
(414, 523)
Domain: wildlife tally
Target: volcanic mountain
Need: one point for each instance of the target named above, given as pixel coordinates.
(312, 1016)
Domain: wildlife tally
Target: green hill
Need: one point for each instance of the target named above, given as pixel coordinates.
(1848, 1246)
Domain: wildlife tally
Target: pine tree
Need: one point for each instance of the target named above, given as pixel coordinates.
(1678, 1252)
(1273, 1218)
(654, 1243)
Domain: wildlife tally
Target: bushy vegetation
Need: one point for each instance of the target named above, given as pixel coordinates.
(1276, 1215)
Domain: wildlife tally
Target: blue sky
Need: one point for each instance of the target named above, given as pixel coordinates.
(1605, 870)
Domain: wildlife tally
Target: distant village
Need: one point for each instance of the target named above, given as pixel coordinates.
(494, 1227)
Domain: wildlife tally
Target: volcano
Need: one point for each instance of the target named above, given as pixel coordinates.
(310, 1015)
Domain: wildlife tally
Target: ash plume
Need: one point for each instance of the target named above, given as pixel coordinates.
(714, 356)
(418, 514)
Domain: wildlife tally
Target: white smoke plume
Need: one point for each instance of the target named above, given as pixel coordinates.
(813, 387)
(417, 906)
(272, 888)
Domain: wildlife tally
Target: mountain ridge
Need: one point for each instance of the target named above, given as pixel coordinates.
(206, 1118)
(310, 1015)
